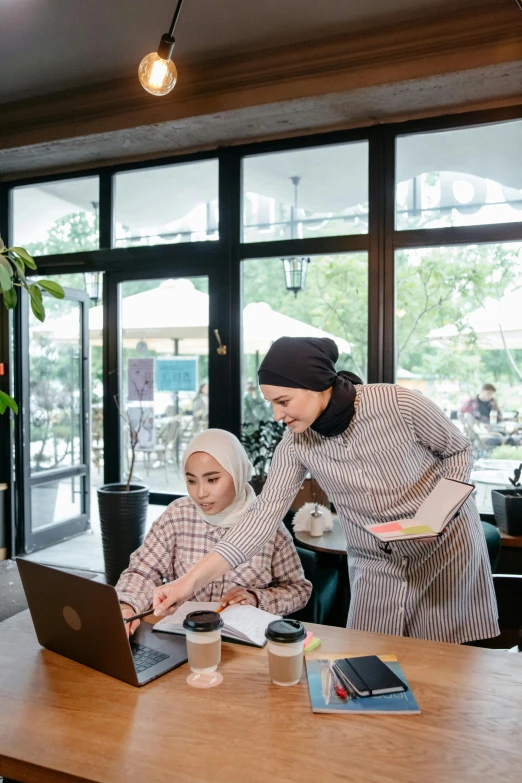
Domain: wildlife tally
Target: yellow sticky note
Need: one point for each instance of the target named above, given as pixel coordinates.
(413, 531)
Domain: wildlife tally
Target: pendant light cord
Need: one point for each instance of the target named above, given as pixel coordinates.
(175, 18)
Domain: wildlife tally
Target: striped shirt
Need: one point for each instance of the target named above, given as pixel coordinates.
(179, 538)
(395, 450)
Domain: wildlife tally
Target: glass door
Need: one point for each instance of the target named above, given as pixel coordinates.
(55, 428)
(172, 379)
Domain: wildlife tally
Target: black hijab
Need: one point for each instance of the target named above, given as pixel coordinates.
(309, 363)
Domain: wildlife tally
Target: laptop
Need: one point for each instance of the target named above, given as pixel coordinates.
(81, 619)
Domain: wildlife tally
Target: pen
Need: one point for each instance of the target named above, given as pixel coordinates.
(338, 688)
(137, 616)
(143, 614)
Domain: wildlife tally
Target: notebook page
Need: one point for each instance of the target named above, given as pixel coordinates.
(442, 503)
(249, 622)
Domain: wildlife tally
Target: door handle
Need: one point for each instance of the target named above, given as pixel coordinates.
(221, 349)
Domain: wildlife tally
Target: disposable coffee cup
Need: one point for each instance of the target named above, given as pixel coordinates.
(285, 645)
(203, 630)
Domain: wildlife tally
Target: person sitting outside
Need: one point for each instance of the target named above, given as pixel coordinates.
(481, 406)
(255, 409)
(217, 471)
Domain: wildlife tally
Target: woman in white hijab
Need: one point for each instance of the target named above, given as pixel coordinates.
(217, 471)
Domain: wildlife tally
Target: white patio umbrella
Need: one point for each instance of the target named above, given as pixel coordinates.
(487, 322)
(262, 326)
(177, 311)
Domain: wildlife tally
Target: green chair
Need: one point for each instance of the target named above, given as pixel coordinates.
(493, 542)
(325, 582)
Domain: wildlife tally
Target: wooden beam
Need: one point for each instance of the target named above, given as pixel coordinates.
(368, 59)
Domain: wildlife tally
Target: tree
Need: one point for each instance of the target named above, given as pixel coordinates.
(441, 286)
(335, 298)
(69, 234)
(435, 287)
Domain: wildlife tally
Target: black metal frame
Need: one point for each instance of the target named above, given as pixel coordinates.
(26, 478)
(220, 414)
(222, 259)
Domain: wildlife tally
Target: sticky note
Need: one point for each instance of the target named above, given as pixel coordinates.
(388, 527)
(413, 531)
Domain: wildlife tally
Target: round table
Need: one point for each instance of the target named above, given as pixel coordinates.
(332, 541)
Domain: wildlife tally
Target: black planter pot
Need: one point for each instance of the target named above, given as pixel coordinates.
(507, 508)
(123, 515)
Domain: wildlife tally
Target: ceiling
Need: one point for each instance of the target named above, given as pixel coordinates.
(52, 45)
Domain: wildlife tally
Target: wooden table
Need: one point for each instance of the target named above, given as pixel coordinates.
(63, 722)
(333, 542)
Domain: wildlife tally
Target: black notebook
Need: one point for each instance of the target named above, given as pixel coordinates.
(368, 676)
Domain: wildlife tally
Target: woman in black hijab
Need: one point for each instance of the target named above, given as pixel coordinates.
(308, 364)
(377, 450)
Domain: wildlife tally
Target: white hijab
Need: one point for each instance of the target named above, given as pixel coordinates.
(228, 451)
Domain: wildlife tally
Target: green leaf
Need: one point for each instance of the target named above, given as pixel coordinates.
(52, 288)
(4, 261)
(6, 282)
(10, 299)
(7, 402)
(19, 268)
(1, 244)
(24, 255)
(36, 302)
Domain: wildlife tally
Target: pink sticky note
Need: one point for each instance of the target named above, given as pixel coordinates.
(389, 527)
(308, 639)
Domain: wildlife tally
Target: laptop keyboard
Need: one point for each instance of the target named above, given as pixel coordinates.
(145, 657)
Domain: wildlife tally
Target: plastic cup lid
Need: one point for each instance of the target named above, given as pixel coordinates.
(285, 631)
(203, 620)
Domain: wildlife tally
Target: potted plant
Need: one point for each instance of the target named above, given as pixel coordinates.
(260, 442)
(507, 506)
(123, 506)
(13, 263)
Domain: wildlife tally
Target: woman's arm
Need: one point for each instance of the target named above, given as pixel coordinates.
(289, 591)
(260, 522)
(149, 564)
(245, 539)
(437, 433)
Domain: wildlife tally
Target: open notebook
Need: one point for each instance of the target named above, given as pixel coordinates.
(433, 514)
(245, 624)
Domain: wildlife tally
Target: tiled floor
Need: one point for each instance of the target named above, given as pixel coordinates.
(83, 551)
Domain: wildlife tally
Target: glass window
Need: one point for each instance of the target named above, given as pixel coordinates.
(56, 501)
(167, 204)
(334, 303)
(65, 328)
(312, 192)
(470, 176)
(55, 386)
(164, 394)
(57, 217)
(459, 342)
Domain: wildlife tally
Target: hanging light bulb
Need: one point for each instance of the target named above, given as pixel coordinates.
(157, 73)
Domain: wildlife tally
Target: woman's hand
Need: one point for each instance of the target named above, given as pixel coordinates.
(166, 597)
(209, 568)
(239, 595)
(128, 611)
